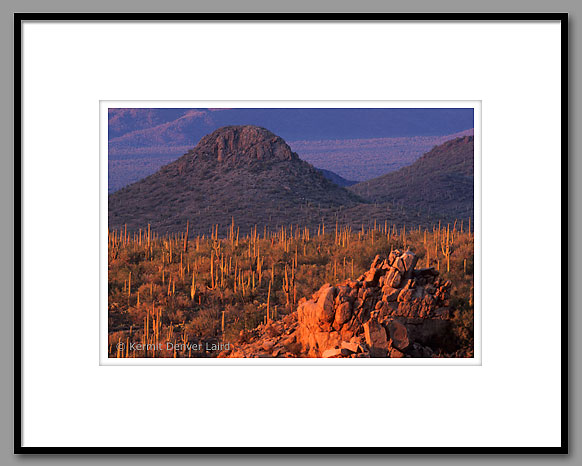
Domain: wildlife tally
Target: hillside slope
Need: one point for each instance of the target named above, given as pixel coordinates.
(439, 183)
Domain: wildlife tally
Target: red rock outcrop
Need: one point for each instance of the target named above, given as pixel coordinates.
(393, 310)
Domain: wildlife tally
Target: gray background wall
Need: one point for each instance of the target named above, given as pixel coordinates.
(7, 254)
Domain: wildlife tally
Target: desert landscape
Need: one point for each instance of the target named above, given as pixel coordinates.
(242, 248)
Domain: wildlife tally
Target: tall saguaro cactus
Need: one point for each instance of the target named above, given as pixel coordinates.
(186, 237)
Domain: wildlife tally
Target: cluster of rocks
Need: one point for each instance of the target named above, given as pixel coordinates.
(393, 310)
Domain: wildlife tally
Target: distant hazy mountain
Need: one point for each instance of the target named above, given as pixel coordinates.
(140, 131)
(127, 120)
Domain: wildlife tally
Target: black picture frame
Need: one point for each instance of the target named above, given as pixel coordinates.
(19, 18)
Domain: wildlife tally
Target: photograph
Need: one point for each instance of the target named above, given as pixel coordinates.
(290, 232)
(333, 216)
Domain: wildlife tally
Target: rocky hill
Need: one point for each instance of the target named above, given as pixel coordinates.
(394, 310)
(440, 183)
(245, 172)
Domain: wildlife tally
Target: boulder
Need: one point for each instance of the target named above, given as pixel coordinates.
(390, 294)
(331, 353)
(393, 278)
(372, 276)
(351, 346)
(307, 314)
(394, 353)
(316, 295)
(376, 339)
(342, 292)
(376, 262)
(327, 340)
(399, 264)
(325, 304)
(398, 335)
(343, 313)
(369, 294)
(392, 256)
(409, 259)
(405, 295)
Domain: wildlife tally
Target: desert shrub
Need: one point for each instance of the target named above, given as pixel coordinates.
(163, 274)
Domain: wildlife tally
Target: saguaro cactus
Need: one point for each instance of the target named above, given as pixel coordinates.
(186, 236)
(446, 248)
